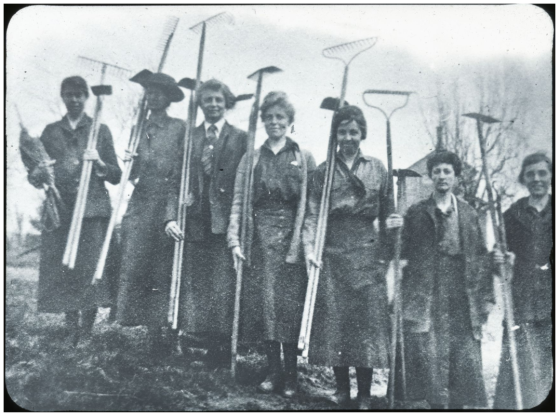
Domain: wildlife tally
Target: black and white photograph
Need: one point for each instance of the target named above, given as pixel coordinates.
(258, 207)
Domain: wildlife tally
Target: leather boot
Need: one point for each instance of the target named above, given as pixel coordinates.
(364, 376)
(290, 368)
(72, 319)
(88, 319)
(274, 376)
(342, 395)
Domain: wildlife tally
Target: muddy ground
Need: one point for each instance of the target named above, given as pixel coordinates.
(112, 372)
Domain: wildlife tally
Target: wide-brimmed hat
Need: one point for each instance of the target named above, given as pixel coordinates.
(167, 83)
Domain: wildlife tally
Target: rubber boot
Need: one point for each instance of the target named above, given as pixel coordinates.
(290, 369)
(274, 377)
(342, 395)
(364, 376)
(72, 320)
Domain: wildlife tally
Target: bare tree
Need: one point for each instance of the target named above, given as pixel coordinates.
(502, 92)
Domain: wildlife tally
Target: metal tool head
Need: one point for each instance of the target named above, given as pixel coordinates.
(168, 30)
(224, 17)
(331, 103)
(388, 114)
(389, 92)
(481, 117)
(348, 51)
(141, 77)
(187, 83)
(405, 172)
(103, 90)
(99, 66)
(242, 97)
(265, 71)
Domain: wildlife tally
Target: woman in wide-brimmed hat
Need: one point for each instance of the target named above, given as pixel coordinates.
(147, 252)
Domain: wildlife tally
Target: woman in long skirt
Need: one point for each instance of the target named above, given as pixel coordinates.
(528, 225)
(147, 253)
(272, 300)
(351, 324)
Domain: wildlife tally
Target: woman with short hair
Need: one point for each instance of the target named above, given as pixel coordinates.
(145, 276)
(447, 291)
(273, 297)
(528, 224)
(351, 323)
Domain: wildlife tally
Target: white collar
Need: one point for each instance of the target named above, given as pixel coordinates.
(219, 125)
(453, 202)
(74, 123)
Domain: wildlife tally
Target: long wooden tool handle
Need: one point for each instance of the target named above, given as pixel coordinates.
(506, 291)
(245, 241)
(314, 273)
(132, 148)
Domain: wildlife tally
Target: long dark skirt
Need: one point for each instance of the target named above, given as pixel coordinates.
(534, 356)
(61, 289)
(274, 294)
(145, 274)
(444, 365)
(207, 288)
(350, 324)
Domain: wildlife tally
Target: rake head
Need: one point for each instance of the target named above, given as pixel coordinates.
(168, 32)
(265, 71)
(389, 92)
(481, 117)
(224, 17)
(110, 69)
(331, 103)
(350, 50)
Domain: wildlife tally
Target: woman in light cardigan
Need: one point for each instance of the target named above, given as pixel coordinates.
(273, 298)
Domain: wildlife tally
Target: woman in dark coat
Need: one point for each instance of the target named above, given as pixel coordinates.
(528, 225)
(147, 253)
(208, 289)
(350, 323)
(447, 294)
(61, 289)
(273, 297)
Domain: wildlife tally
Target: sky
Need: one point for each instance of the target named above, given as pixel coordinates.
(418, 48)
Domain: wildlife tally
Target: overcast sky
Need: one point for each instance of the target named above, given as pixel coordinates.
(418, 48)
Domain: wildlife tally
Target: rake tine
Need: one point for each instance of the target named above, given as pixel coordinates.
(348, 51)
(169, 28)
(224, 17)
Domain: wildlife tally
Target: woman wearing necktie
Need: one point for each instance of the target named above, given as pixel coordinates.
(208, 288)
(350, 323)
(147, 253)
(274, 294)
(448, 292)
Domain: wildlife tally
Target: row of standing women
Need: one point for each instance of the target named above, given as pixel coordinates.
(447, 283)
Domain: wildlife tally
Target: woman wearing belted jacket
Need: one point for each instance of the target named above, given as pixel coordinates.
(273, 297)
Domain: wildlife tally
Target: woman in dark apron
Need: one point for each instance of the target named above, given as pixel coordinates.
(350, 323)
(273, 297)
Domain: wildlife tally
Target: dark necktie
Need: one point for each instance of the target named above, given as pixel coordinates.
(208, 150)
